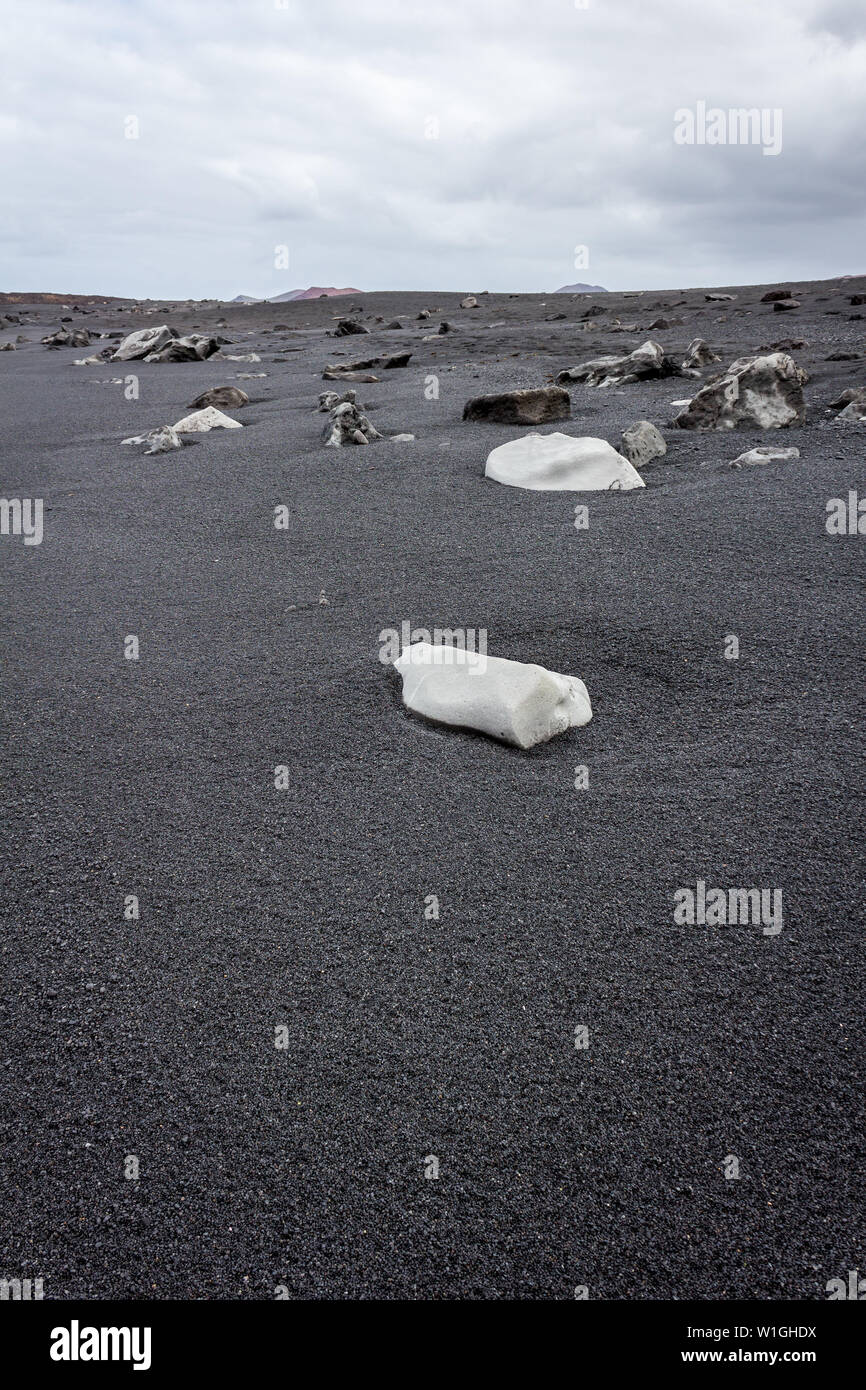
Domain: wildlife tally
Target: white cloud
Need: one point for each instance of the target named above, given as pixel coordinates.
(310, 126)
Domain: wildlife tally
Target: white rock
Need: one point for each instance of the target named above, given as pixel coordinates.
(160, 440)
(141, 343)
(510, 700)
(240, 357)
(401, 438)
(561, 463)
(681, 405)
(208, 419)
(87, 361)
(764, 454)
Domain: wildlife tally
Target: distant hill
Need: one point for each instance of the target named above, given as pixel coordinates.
(314, 292)
(46, 298)
(581, 289)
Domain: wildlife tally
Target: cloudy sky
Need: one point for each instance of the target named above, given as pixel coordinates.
(407, 144)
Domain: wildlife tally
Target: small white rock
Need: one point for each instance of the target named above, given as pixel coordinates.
(513, 701)
(764, 454)
(401, 438)
(208, 419)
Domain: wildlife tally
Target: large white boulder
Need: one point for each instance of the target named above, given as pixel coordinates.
(141, 343)
(513, 701)
(561, 463)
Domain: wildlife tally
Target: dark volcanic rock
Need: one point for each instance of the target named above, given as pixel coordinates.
(534, 406)
(772, 295)
(348, 326)
(223, 397)
(399, 359)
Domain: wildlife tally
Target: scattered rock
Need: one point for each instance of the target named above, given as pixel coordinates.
(204, 420)
(395, 323)
(646, 362)
(86, 361)
(226, 397)
(773, 295)
(765, 453)
(399, 359)
(10, 347)
(66, 337)
(561, 463)
(344, 374)
(787, 345)
(699, 354)
(513, 701)
(857, 299)
(241, 357)
(641, 443)
(529, 407)
(348, 326)
(854, 402)
(470, 302)
(144, 341)
(719, 298)
(161, 440)
(766, 392)
(782, 306)
(853, 395)
(335, 369)
(444, 327)
(401, 438)
(348, 425)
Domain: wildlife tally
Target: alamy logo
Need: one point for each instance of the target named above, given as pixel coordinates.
(76, 1343)
(846, 518)
(724, 907)
(740, 125)
(855, 1287)
(447, 641)
(22, 516)
(21, 1290)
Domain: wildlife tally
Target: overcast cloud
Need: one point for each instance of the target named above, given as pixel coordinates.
(464, 144)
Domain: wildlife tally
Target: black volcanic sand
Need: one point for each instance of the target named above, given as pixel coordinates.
(304, 1167)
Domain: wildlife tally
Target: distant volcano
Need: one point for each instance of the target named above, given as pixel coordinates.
(314, 292)
(581, 289)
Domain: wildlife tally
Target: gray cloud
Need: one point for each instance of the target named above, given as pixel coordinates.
(415, 146)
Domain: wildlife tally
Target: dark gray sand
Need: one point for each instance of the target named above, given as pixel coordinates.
(407, 1038)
